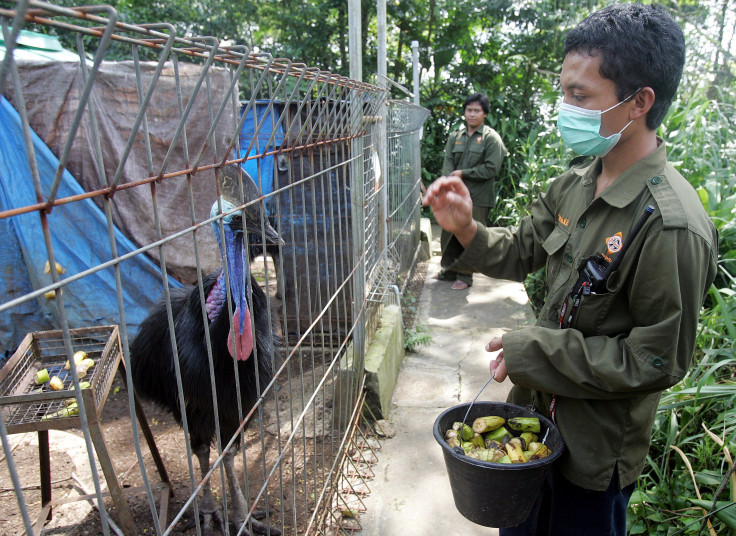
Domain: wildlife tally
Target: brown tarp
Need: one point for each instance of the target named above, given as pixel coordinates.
(52, 94)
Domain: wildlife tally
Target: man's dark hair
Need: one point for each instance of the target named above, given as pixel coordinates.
(481, 99)
(640, 46)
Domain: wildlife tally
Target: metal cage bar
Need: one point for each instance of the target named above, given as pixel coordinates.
(134, 174)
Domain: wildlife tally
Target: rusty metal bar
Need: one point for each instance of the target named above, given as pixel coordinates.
(318, 128)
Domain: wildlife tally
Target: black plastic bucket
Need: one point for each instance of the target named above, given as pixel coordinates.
(495, 494)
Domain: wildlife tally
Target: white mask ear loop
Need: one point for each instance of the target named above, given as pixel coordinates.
(627, 99)
(627, 126)
(623, 101)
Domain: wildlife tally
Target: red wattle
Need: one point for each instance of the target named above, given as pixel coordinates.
(243, 340)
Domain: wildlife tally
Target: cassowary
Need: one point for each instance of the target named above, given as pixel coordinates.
(152, 358)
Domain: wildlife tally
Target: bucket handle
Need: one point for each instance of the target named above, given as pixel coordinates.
(458, 449)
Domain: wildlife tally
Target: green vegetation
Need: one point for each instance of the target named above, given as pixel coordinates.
(416, 335)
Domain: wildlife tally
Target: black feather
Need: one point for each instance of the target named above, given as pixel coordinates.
(154, 374)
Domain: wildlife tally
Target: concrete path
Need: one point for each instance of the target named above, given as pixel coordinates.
(410, 494)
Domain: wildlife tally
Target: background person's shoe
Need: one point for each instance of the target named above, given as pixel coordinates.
(459, 285)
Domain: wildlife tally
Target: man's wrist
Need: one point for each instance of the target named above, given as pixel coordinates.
(466, 234)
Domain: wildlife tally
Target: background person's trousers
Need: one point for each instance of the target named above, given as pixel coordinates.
(450, 252)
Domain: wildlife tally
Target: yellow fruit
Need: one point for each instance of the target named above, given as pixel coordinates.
(478, 441)
(528, 437)
(481, 425)
(79, 356)
(56, 384)
(541, 452)
(514, 450)
(86, 363)
(68, 411)
(484, 455)
(493, 444)
(59, 268)
(82, 385)
(453, 442)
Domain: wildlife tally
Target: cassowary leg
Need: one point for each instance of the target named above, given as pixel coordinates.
(236, 496)
(279, 276)
(208, 508)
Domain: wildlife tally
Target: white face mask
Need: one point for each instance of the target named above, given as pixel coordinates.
(580, 129)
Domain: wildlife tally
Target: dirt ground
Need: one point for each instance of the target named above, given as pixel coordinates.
(291, 495)
(69, 456)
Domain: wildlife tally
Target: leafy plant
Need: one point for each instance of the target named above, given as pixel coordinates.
(416, 336)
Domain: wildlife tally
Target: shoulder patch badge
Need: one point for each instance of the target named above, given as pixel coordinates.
(614, 243)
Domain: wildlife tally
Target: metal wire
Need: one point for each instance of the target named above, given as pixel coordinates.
(350, 231)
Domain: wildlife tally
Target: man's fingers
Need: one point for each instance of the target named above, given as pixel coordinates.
(501, 372)
(494, 345)
(497, 365)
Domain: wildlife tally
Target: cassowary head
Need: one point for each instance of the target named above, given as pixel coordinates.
(237, 221)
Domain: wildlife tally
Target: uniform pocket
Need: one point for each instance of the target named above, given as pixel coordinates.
(554, 245)
(475, 153)
(592, 312)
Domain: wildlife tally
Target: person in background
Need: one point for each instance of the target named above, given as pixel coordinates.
(630, 255)
(474, 153)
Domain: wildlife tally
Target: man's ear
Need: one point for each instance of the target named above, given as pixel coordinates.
(643, 102)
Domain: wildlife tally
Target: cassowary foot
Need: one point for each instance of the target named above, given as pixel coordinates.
(262, 528)
(258, 527)
(208, 528)
(207, 518)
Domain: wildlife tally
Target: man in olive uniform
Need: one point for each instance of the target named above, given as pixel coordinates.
(474, 153)
(625, 289)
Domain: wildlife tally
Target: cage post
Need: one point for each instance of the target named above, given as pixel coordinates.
(354, 40)
(415, 69)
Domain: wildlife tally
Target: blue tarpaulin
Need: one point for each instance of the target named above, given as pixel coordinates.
(260, 114)
(80, 241)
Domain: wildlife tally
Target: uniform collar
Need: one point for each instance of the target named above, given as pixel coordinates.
(479, 130)
(627, 187)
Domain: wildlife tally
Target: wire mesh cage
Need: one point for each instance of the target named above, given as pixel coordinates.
(236, 197)
(404, 189)
(405, 117)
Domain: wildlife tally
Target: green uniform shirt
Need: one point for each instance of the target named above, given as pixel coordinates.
(624, 346)
(479, 157)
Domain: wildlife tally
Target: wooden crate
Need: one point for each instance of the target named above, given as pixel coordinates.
(26, 406)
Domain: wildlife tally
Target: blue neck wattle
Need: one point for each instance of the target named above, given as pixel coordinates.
(236, 264)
